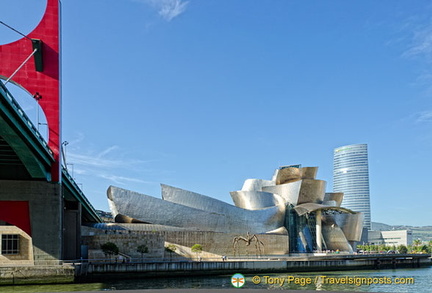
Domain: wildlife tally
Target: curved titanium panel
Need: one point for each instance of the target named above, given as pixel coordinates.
(193, 199)
(312, 191)
(221, 217)
(125, 219)
(309, 172)
(310, 207)
(330, 203)
(336, 196)
(255, 200)
(351, 225)
(288, 191)
(136, 227)
(270, 217)
(256, 184)
(153, 210)
(333, 235)
(279, 231)
(288, 175)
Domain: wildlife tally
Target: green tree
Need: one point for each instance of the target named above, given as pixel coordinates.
(368, 247)
(417, 242)
(197, 248)
(142, 249)
(402, 249)
(110, 249)
(424, 249)
(416, 246)
(381, 248)
(170, 248)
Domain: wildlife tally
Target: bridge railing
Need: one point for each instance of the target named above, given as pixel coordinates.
(14, 105)
(76, 190)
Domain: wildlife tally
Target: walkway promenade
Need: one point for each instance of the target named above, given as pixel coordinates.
(280, 264)
(99, 270)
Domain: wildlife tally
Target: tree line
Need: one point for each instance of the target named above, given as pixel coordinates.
(417, 247)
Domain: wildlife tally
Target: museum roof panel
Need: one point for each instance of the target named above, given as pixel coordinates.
(307, 208)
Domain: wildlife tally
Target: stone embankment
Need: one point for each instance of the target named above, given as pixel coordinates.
(282, 264)
(20, 275)
(69, 273)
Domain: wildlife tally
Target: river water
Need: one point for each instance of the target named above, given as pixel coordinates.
(401, 280)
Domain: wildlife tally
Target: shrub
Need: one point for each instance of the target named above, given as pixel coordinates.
(110, 248)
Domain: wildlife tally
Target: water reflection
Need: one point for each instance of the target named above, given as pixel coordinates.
(402, 280)
(319, 281)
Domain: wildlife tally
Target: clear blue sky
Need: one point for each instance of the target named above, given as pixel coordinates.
(202, 95)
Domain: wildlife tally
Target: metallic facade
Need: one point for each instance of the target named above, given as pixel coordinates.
(351, 225)
(293, 204)
(289, 191)
(351, 176)
(215, 215)
(255, 200)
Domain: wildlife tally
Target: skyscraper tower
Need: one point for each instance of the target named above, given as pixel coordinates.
(351, 176)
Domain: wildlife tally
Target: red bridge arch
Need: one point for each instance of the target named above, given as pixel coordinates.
(42, 81)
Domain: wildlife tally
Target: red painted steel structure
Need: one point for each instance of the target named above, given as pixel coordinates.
(43, 85)
(16, 213)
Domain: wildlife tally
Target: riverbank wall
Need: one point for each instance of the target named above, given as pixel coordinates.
(20, 275)
(98, 271)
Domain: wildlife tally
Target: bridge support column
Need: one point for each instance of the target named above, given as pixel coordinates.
(46, 208)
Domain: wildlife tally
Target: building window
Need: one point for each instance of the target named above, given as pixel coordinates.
(10, 244)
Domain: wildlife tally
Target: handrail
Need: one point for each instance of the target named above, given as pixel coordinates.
(88, 206)
(15, 105)
(137, 260)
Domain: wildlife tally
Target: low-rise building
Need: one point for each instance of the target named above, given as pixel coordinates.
(393, 237)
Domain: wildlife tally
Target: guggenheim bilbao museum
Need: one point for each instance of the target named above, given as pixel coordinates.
(291, 213)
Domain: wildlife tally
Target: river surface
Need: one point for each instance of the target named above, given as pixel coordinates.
(418, 280)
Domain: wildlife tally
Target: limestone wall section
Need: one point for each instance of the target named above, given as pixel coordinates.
(214, 244)
(25, 255)
(127, 243)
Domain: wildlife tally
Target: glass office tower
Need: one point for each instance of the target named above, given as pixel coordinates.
(351, 176)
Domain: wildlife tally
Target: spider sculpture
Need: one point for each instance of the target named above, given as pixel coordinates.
(248, 240)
